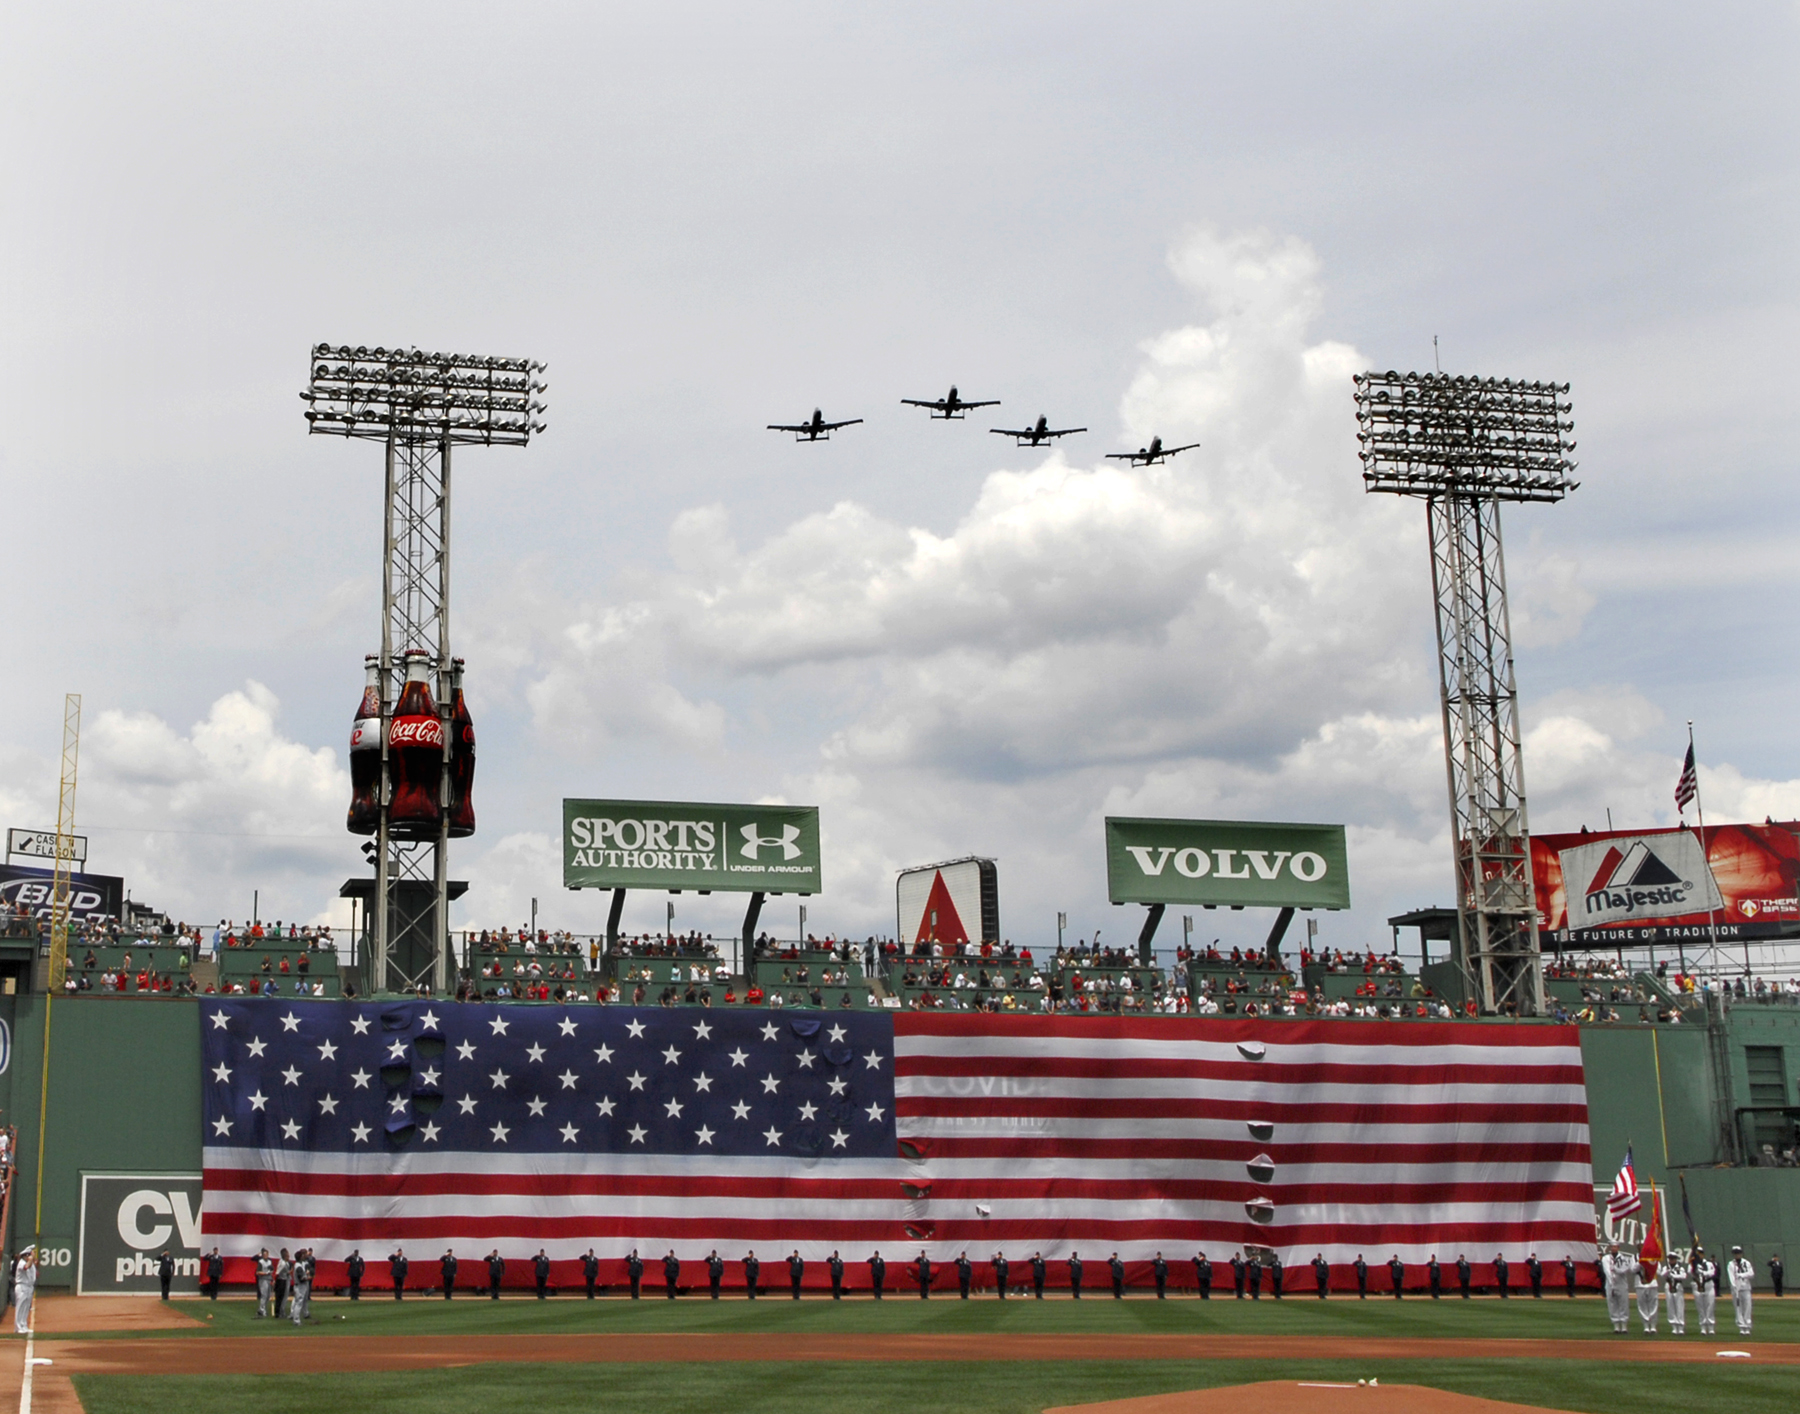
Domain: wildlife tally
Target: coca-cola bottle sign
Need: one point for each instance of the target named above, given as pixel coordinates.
(426, 732)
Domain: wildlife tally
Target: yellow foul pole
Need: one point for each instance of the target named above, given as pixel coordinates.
(59, 925)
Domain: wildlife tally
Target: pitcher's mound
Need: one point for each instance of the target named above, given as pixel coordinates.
(1311, 1397)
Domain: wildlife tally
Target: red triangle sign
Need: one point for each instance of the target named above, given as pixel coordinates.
(948, 928)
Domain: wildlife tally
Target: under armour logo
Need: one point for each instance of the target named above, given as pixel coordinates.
(754, 841)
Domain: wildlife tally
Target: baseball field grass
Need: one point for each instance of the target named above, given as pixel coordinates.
(481, 1384)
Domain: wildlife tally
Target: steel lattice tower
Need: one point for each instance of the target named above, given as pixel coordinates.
(1464, 445)
(419, 405)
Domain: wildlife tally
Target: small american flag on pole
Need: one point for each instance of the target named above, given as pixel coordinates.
(1624, 1199)
(1689, 785)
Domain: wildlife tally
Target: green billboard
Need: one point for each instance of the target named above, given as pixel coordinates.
(669, 844)
(1231, 863)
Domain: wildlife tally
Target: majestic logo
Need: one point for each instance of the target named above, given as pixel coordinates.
(1636, 879)
(755, 840)
(427, 732)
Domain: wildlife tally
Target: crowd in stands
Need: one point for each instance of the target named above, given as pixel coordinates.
(256, 934)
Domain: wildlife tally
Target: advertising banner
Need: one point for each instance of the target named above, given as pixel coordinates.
(663, 844)
(1228, 863)
(1651, 886)
(127, 1221)
(92, 897)
(953, 903)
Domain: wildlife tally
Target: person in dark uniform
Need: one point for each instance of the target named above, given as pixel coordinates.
(397, 1265)
(1237, 1275)
(671, 1273)
(447, 1266)
(1203, 1275)
(1396, 1273)
(1117, 1268)
(1321, 1274)
(1435, 1274)
(1000, 1270)
(284, 1274)
(752, 1270)
(1275, 1275)
(1362, 1277)
(1253, 1276)
(590, 1272)
(1568, 1265)
(796, 1270)
(922, 1270)
(215, 1273)
(634, 1268)
(836, 1267)
(715, 1272)
(165, 1272)
(540, 1268)
(1776, 1273)
(1500, 1274)
(1160, 1270)
(496, 1265)
(1462, 1274)
(1037, 1276)
(877, 1274)
(1535, 1270)
(1075, 1275)
(963, 1273)
(353, 1268)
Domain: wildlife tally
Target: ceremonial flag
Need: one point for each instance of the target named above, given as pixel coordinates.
(1689, 785)
(1624, 1199)
(367, 1126)
(1650, 1250)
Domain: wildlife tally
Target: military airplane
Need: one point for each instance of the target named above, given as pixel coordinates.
(814, 429)
(1037, 435)
(1151, 455)
(949, 407)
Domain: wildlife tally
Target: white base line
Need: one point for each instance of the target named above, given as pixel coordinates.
(1321, 1384)
(25, 1381)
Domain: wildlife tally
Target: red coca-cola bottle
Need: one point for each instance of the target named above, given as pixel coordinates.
(416, 754)
(462, 757)
(365, 754)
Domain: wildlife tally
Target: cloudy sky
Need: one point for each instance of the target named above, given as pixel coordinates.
(1187, 219)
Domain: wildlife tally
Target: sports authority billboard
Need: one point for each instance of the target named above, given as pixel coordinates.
(664, 844)
(92, 897)
(957, 902)
(1651, 886)
(1229, 863)
(127, 1221)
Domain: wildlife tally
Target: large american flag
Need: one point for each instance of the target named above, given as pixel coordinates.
(366, 1126)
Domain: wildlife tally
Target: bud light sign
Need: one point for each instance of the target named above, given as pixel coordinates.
(1237, 863)
(660, 844)
(93, 898)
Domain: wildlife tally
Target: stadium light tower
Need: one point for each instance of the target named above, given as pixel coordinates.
(1464, 445)
(419, 405)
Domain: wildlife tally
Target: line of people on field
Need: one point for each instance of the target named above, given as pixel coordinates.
(1673, 1279)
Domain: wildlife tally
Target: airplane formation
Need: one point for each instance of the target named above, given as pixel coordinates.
(952, 407)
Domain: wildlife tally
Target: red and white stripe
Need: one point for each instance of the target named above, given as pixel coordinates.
(1093, 1135)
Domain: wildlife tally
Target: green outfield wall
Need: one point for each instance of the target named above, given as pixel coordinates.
(125, 1098)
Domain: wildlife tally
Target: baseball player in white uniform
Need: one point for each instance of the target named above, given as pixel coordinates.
(1672, 1275)
(24, 1288)
(1741, 1275)
(1616, 1270)
(1706, 1272)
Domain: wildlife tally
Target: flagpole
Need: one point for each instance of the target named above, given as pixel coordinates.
(1712, 912)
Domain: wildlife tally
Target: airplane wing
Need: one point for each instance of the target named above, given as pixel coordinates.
(1170, 451)
(1127, 457)
(833, 426)
(984, 403)
(790, 427)
(1013, 431)
(1063, 431)
(922, 403)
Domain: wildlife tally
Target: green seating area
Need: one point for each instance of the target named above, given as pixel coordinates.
(1356, 985)
(295, 969)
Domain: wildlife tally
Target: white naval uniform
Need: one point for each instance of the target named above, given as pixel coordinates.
(24, 1288)
(1705, 1270)
(1617, 1269)
(1673, 1276)
(1742, 1276)
(1649, 1300)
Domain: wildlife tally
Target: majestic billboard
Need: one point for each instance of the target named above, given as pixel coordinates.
(127, 1221)
(1230, 863)
(665, 844)
(957, 902)
(1651, 886)
(92, 897)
